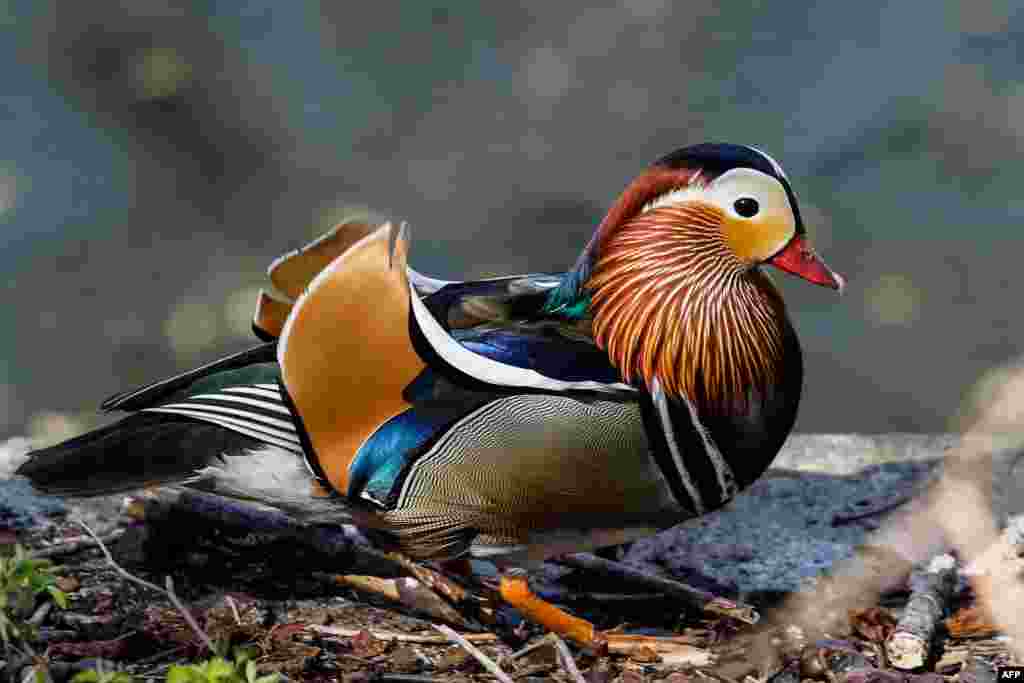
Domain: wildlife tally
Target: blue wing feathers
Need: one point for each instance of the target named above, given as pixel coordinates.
(551, 355)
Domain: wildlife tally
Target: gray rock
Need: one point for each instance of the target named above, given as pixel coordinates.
(780, 533)
(21, 507)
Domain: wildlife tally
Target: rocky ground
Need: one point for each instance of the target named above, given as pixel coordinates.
(820, 501)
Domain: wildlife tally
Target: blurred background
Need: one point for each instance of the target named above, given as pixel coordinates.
(155, 156)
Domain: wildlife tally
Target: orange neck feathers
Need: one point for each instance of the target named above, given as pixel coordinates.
(671, 302)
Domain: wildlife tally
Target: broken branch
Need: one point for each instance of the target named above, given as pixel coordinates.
(932, 590)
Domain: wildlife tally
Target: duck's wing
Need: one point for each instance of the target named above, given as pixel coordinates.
(496, 333)
(359, 335)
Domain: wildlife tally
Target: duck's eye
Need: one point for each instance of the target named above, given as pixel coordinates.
(746, 207)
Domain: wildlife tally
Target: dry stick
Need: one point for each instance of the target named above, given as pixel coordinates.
(405, 591)
(567, 661)
(695, 597)
(169, 591)
(430, 578)
(931, 591)
(40, 614)
(484, 660)
(562, 595)
(72, 546)
(234, 609)
(532, 647)
(419, 639)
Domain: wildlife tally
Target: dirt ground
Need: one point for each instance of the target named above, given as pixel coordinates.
(307, 627)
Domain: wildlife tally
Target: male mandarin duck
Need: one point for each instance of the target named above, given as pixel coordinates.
(510, 419)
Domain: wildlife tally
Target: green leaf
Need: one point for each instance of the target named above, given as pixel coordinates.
(59, 596)
(222, 648)
(245, 652)
(220, 668)
(86, 676)
(182, 674)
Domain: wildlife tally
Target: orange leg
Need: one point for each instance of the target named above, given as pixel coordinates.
(515, 590)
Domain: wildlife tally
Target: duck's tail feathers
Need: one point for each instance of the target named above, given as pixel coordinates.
(142, 450)
(147, 450)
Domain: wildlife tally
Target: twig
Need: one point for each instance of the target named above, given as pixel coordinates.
(484, 660)
(39, 615)
(909, 645)
(186, 615)
(434, 580)
(234, 609)
(169, 591)
(72, 546)
(695, 597)
(567, 661)
(531, 647)
(110, 560)
(158, 656)
(839, 519)
(562, 595)
(672, 649)
(417, 638)
(406, 591)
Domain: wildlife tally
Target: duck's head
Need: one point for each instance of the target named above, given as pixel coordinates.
(673, 277)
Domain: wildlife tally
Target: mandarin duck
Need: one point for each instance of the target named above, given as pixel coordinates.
(510, 419)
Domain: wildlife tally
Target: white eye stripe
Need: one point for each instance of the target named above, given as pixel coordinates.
(775, 210)
(724, 191)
